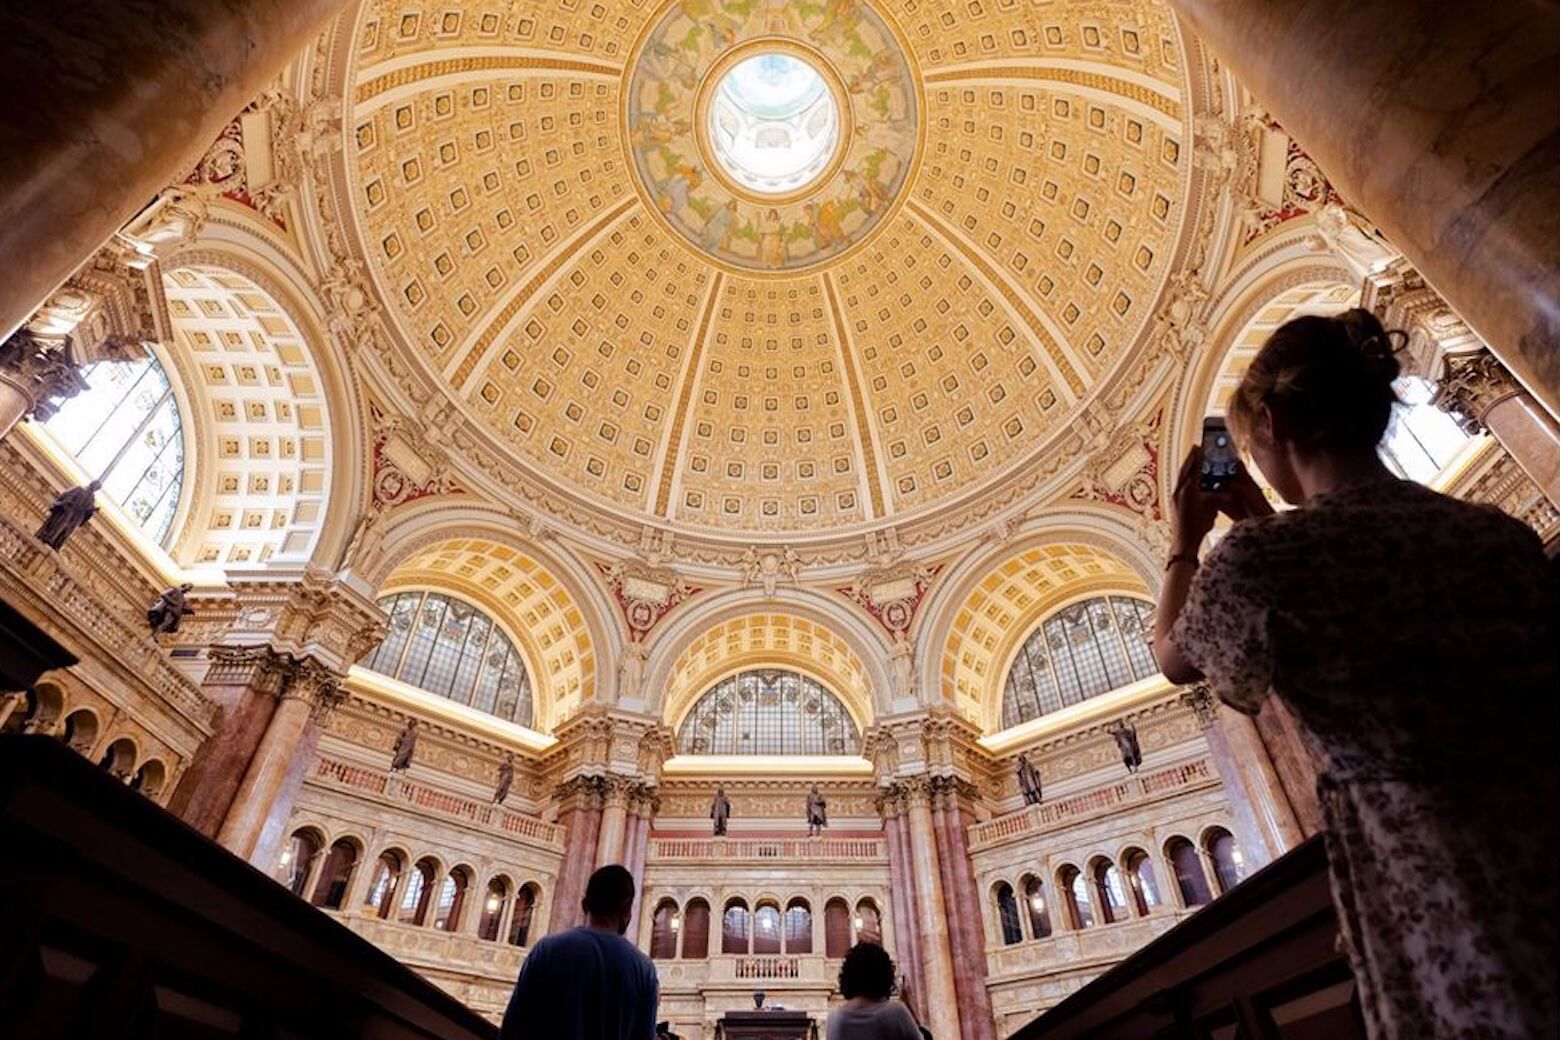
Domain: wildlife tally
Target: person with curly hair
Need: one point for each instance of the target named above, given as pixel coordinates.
(867, 983)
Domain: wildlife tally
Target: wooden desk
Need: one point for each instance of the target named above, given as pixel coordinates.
(766, 1025)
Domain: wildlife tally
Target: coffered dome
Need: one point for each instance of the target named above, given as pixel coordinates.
(758, 269)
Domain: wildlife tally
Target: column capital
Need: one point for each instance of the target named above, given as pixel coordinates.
(307, 615)
(1199, 697)
(44, 371)
(316, 686)
(1474, 383)
(260, 667)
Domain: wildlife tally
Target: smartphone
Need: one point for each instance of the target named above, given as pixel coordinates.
(1220, 461)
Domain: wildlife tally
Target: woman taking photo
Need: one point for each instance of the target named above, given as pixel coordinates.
(866, 983)
(1413, 637)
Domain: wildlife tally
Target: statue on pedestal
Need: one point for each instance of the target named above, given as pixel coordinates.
(817, 812)
(68, 512)
(1028, 780)
(405, 744)
(1127, 741)
(163, 616)
(506, 777)
(720, 811)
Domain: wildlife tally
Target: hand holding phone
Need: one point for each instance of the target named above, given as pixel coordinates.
(1220, 460)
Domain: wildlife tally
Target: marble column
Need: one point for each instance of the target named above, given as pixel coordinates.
(940, 999)
(636, 844)
(1265, 822)
(581, 820)
(245, 682)
(964, 911)
(108, 101)
(901, 890)
(1440, 123)
(614, 823)
(1479, 390)
(261, 808)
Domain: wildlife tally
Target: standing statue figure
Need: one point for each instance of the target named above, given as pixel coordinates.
(817, 813)
(405, 744)
(1028, 780)
(506, 777)
(68, 512)
(164, 616)
(1127, 740)
(720, 811)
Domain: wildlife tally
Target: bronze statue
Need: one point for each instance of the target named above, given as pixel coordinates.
(720, 811)
(70, 510)
(405, 744)
(164, 615)
(506, 777)
(817, 812)
(1028, 780)
(1127, 741)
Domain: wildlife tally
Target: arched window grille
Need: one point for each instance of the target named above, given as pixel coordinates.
(868, 922)
(1188, 869)
(798, 927)
(493, 906)
(734, 927)
(1229, 866)
(664, 926)
(1110, 897)
(1081, 651)
(1421, 439)
(1034, 901)
(451, 648)
(766, 928)
(525, 909)
(336, 875)
(768, 712)
(1140, 875)
(696, 930)
(297, 858)
(1075, 890)
(452, 898)
(125, 430)
(1007, 914)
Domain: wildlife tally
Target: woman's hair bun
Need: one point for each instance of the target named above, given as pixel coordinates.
(1377, 347)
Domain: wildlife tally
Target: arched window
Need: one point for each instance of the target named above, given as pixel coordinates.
(1034, 903)
(1141, 879)
(696, 930)
(452, 898)
(330, 892)
(1189, 877)
(768, 712)
(298, 855)
(40, 707)
(836, 928)
(383, 885)
(451, 648)
(493, 906)
(149, 778)
(416, 892)
(798, 927)
(124, 429)
(1420, 439)
(1081, 651)
(1007, 913)
(734, 927)
(80, 731)
(664, 926)
(868, 922)
(1075, 891)
(1109, 895)
(1229, 866)
(766, 928)
(525, 909)
(119, 759)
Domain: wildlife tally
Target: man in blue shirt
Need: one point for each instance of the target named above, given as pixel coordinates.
(589, 983)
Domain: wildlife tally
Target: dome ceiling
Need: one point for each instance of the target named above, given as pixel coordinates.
(558, 203)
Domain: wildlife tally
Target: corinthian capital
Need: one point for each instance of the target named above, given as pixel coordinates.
(44, 371)
(317, 686)
(1473, 384)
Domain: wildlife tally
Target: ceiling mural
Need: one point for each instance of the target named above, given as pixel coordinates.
(758, 271)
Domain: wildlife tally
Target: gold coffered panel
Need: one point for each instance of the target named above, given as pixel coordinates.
(499, 208)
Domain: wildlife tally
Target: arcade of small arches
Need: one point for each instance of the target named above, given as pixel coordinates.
(762, 926)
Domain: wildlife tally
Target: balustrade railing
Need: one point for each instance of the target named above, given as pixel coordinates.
(428, 799)
(789, 850)
(768, 968)
(1033, 819)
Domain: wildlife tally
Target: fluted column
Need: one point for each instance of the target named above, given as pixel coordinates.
(260, 810)
(1440, 122)
(105, 102)
(941, 999)
(1265, 821)
(964, 914)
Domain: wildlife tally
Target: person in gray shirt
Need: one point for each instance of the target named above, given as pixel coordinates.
(866, 980)
(589, 983)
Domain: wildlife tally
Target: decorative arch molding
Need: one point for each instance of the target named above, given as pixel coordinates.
(1287, 264)
(668, 696)
(586, 633)
(963, 669)
(254, 254)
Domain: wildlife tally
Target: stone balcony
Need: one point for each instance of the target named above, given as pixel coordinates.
(746, 972)
(480, 973)
(1102, 801)
(759, 850)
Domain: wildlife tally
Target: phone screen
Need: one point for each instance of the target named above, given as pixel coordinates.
(1220, 462)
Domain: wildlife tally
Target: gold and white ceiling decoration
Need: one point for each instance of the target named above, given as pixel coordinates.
(539, 611)
(965, 249)
(1000, 612)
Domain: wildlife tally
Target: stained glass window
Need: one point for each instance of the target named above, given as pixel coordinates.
(1081, 651)
(124, 429)
(450, 647)
(768, 712)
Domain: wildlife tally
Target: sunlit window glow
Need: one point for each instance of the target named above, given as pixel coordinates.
(1081, 651)
(768, 712)
(1421, 439)
(773, 123)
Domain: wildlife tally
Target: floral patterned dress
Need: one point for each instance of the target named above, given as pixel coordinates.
(1414, 638)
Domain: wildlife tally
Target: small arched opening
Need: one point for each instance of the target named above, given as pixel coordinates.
(330, 892)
